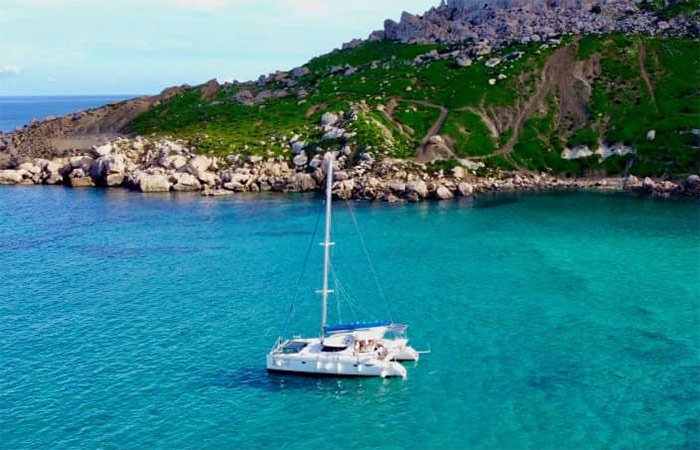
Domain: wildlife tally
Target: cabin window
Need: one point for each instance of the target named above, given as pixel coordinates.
(328, 349)
(293, 347)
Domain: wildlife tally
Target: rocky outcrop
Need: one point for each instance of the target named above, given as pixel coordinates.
(490, 24)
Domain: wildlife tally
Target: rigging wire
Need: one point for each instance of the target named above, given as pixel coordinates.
(369, 260)
(337, 306)
(346, 296)
(336, 290)
(301, 274)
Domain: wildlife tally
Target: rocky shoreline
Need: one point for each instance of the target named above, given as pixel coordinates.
(166, 165)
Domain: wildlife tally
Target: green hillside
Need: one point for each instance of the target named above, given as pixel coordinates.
(521, 114)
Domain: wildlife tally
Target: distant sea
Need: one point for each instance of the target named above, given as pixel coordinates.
(16, 111)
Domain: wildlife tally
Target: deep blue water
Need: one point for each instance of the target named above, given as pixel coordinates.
(142, 321)
(20, 110)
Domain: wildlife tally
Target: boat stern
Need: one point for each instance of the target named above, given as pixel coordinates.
(394, 369)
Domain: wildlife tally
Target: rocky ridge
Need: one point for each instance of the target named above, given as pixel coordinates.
(491, 24)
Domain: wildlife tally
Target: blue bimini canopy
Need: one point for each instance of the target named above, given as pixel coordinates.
(356, 326)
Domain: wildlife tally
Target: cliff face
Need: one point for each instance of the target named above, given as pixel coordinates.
(506, 21)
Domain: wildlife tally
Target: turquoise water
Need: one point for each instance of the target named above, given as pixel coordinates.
(141, 322)
(20, 110)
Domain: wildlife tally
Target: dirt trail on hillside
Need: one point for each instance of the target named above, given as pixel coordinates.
(426, 151)
(314, 109)
(552, 70)
(645, 74)
(562, 72)
(391, 106)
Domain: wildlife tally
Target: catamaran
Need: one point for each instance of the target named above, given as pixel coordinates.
(361, 349)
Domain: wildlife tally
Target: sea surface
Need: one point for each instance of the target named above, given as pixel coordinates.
(556, 321)
(18, 111)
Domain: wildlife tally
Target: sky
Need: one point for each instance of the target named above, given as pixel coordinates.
(70, 47)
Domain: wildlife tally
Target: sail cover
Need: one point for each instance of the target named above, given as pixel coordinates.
(356, 326)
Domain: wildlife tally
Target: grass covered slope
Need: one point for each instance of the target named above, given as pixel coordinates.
(595, 97)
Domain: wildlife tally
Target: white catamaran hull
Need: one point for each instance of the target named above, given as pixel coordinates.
(400, 350)
(347, 366)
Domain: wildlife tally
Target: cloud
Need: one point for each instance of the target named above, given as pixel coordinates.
(297, 6)
(10, 70)
(190, 4)
(201, 4)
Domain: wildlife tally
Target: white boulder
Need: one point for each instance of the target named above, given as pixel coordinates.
(333, 133)
(102, 150)
(298, 146)
(465, 189)
(10, 177)
(493, 62)
(443, 193)
(184, 182)
(176, 162)
(153, 183)
(418, 188)
(104, 166)
(329, 119)
(300, 159)
(464, 61)
(304, 182)
(631, 181)
(458, 172)
(52, 173)
(198, 164)
(81, 162)
(29, 167)
(343, 189)
(78, 178)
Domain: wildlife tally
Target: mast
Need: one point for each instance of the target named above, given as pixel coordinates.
(327, 243)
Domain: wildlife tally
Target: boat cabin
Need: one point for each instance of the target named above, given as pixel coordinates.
(292, 347)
